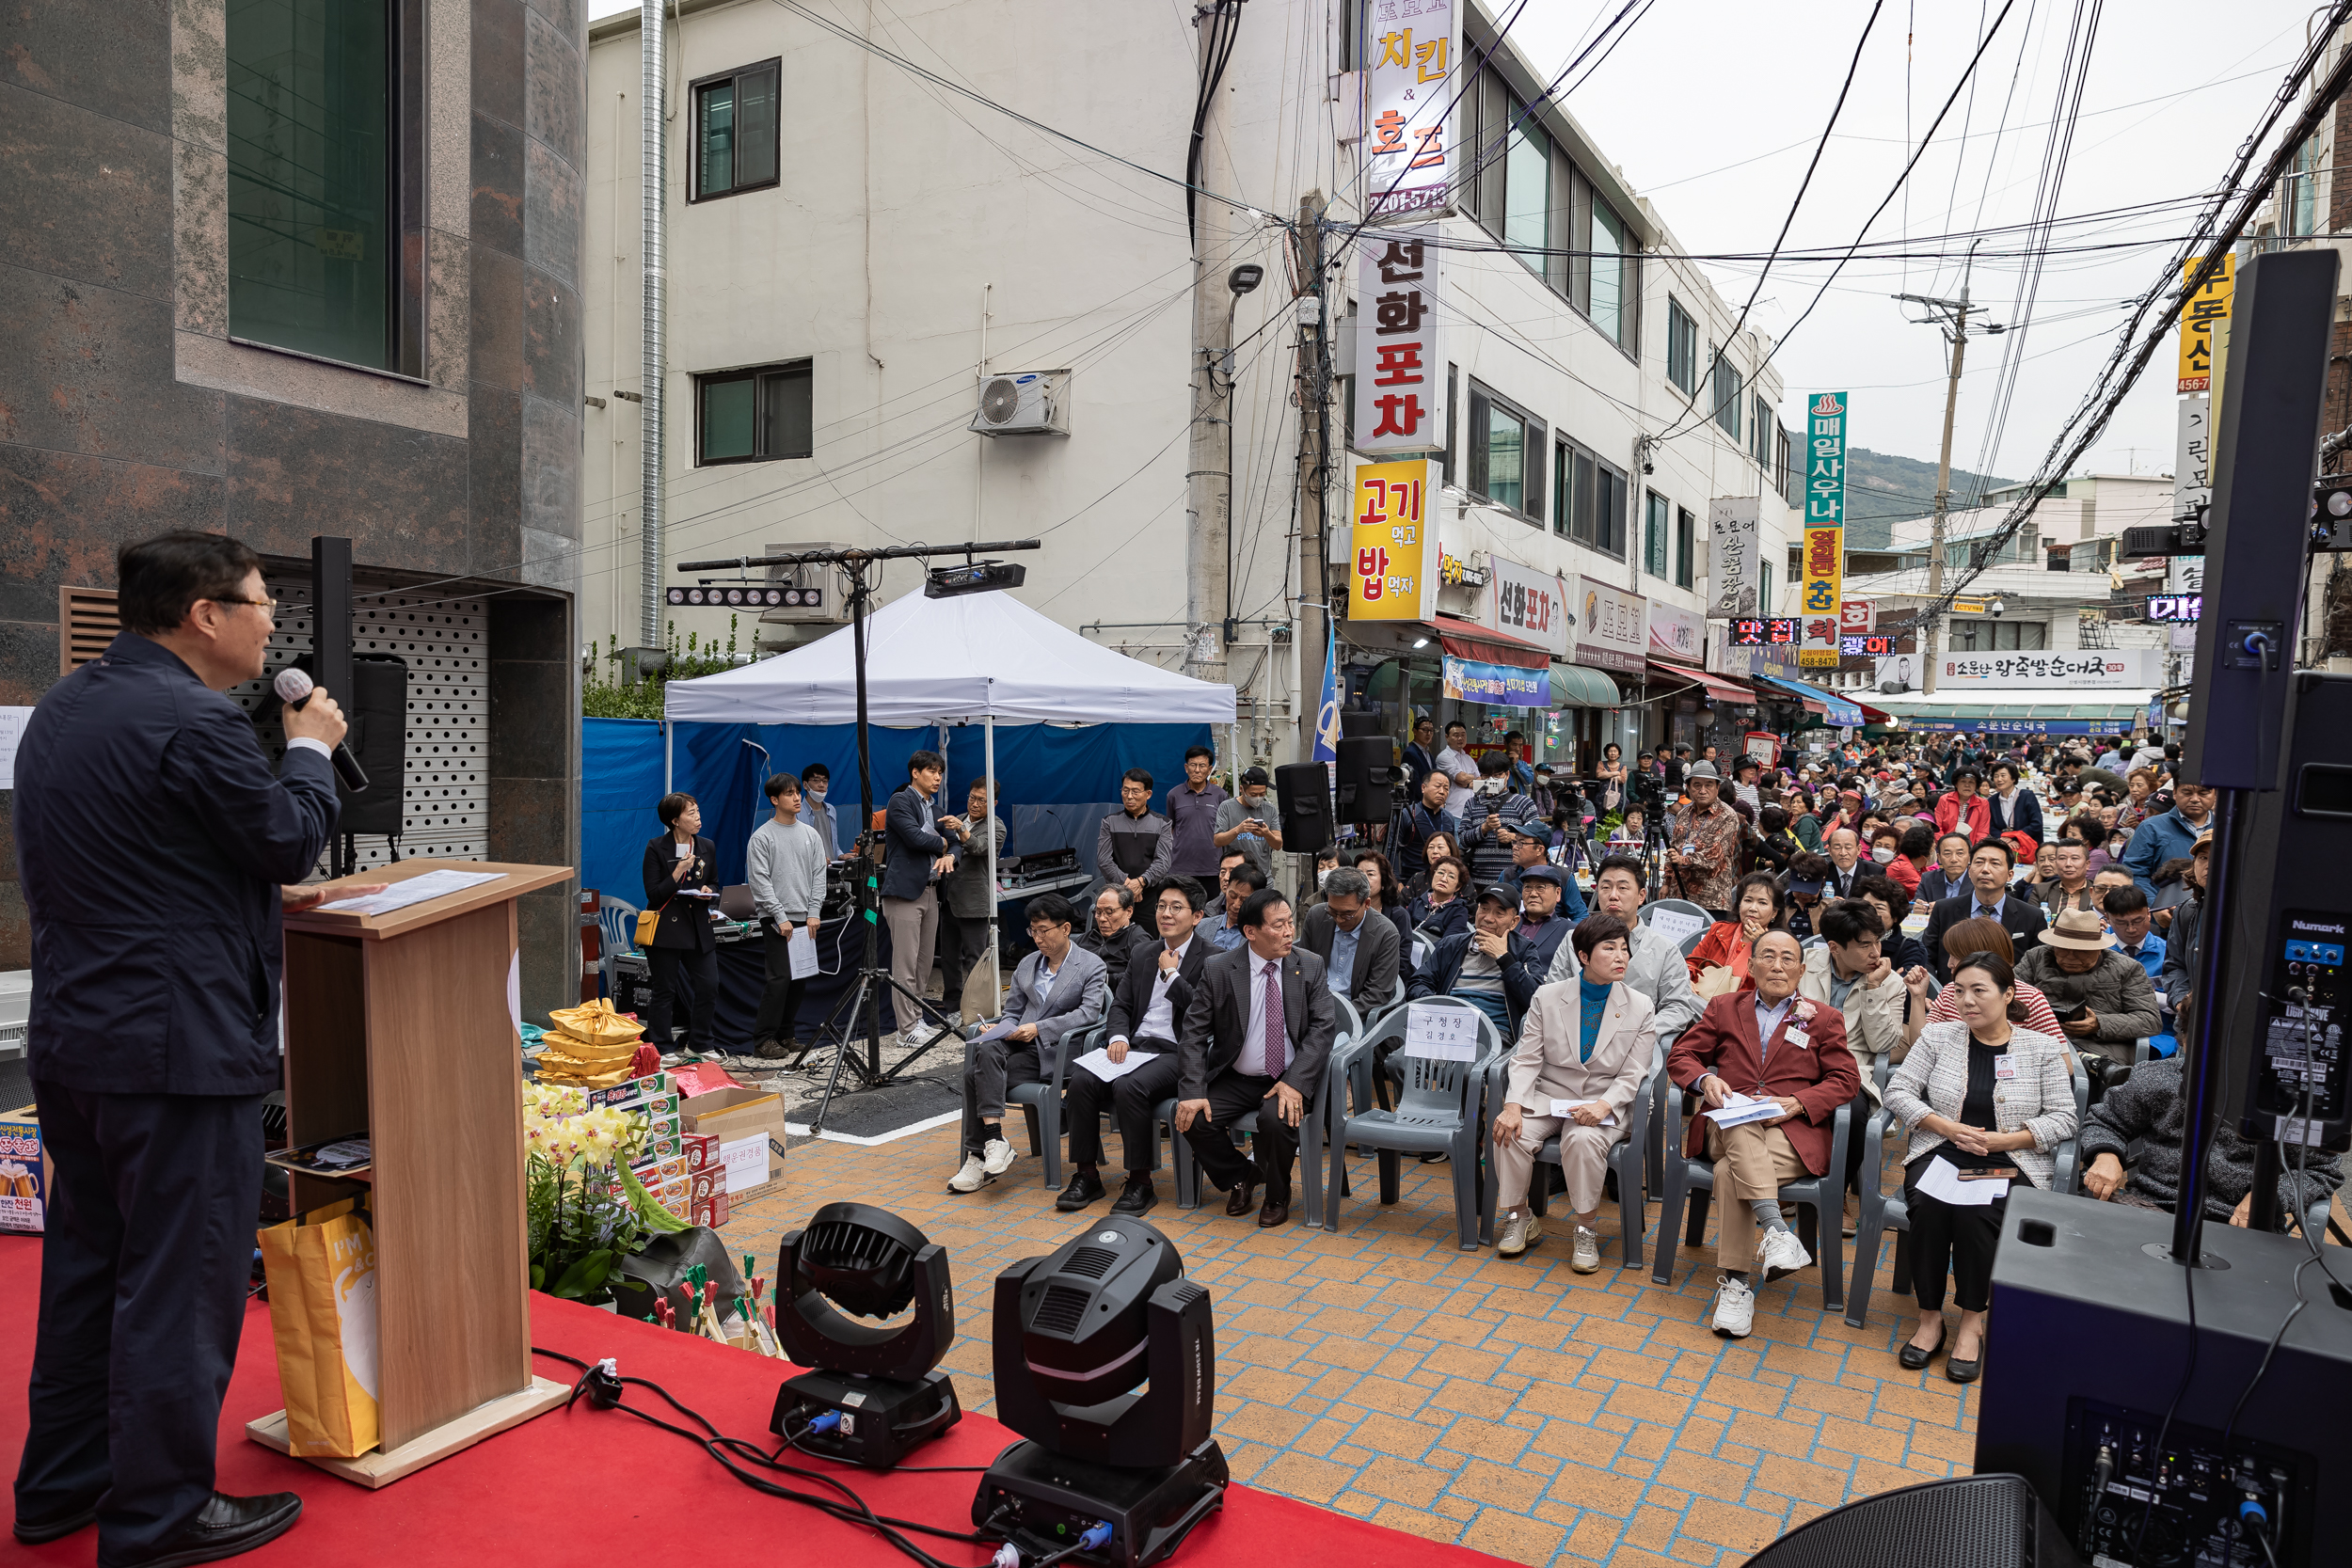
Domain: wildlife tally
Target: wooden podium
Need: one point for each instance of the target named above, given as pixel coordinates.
(399, 1025)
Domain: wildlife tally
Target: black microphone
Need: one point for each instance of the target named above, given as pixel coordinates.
(293, 687)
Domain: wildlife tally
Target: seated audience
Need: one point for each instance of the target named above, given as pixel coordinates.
(1387, 893)
(1222, 929)
(1358, 949)
(2105, 1002)
(1756, 907)
(1581, 1057)
(1058, 990)
(1987, 897)
(1115, 933)
(1146, 1015)
(1489, 966)
(1656, 969)
(1765, 1042)
(1257, 1038)
(1444, 910)
(1543, 923)
(1977, 936)
(2144, 1109)
(1987, 1100)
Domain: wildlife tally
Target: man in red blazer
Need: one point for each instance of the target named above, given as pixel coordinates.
(1766, 1043)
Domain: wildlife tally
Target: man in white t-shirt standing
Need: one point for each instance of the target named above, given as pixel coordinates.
(1456, 764)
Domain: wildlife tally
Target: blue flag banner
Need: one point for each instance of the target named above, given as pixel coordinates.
(1328, 712)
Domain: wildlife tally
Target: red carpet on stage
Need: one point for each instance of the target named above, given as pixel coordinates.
(582, 1484)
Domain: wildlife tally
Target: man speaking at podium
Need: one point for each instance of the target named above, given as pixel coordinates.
(153, 842)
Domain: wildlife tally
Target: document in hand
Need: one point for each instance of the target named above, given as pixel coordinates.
(1099, 1064)
(1942, 1180)
(1738, 1110)
(1568, 1107)
(801, 952)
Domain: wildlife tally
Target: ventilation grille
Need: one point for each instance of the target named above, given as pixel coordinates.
(87, 622)
(1062, 1310)
(1001, 400)
(838, 1245)
(1091, 1261)
(445, 645)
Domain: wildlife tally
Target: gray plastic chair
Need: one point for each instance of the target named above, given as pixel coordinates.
(1041, 1103)
(1440, 1109)
(1882, 1210)
(1627, 1159)
(1822, 1197)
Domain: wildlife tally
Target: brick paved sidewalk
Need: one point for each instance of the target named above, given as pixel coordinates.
(1511, 1407)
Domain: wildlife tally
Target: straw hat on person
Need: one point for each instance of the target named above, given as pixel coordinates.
(2085, 931)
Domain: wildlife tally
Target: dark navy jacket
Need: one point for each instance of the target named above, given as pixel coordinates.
(913, 848)
(1521, 974)
(151, 838)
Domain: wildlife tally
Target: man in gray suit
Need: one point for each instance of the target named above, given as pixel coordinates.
(1257, 1038)
(1359, 956)
(1059, 990)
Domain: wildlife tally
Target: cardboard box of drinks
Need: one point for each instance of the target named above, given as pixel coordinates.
(736, 1115)
(24, 1172)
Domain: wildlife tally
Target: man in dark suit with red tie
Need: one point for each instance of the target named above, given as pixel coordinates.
(1257, 1038)
(1765, 1042)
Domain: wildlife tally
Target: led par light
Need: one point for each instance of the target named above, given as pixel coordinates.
(873, 1392)
(1105, 1362)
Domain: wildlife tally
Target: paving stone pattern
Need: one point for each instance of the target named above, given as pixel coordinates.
(1513, 1406)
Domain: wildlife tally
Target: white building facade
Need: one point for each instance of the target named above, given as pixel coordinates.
(857, 248)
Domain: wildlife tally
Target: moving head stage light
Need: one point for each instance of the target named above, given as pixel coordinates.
(1110, 1471)
(875, 1392)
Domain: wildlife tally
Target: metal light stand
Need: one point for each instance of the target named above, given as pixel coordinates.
(864, 1000)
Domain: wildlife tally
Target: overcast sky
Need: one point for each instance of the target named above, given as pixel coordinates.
(1712, 107)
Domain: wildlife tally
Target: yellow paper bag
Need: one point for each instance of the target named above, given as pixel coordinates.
(596, 1023)
(321, 1307)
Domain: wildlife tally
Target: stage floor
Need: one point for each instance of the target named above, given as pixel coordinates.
(600, 1485)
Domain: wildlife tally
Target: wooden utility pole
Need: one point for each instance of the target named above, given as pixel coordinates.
(1314, 397)
(1953, 315)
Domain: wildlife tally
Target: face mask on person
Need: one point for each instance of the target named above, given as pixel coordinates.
(1322, 876)
(816, 792)
(1883, 854)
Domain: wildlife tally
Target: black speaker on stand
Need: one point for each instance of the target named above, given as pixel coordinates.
(1302, 791)
(1364, 775)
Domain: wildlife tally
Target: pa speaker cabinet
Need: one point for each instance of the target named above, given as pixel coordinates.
(2090, 1334)
(1303, 791)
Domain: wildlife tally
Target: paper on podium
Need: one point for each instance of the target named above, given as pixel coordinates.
(1738, 1110)
(1099, 1064)
(416, 890)
(801, 952)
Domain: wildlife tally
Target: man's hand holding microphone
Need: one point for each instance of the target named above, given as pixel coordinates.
(312, 714)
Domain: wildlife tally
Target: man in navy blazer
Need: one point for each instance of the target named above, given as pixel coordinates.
(919, 855)
(1257, 1039)
(155, 844)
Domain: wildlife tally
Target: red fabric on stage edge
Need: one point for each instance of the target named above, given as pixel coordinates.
(600, 1485)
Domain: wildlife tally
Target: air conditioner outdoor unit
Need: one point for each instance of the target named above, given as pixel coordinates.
(1030, 403)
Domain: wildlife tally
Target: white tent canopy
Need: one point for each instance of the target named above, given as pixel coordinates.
(977, 655)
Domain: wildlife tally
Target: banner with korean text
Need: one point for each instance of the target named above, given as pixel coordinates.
(2200, 313)
(1395, 571)
(1735, 558)
(1408, 162)
(1400, 368)
(1823, 563)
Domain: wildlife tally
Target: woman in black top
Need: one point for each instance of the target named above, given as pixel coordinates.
(682, 881)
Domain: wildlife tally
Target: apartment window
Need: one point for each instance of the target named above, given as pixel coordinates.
(1726, 393)
(1784, 457)
(1505, 453)
(1613, 306)
(752, 415)
(1761, 426)
(2298, 202)
(1655, 526)
(1590, 500)
(1764, 585)
(1686, 548)
(735, 131)
(1453, 406)
(1527, 194)
(1683, 347)
(317, 122)
(1988, 636)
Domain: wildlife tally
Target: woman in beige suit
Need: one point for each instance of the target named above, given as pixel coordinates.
(1584, 1047)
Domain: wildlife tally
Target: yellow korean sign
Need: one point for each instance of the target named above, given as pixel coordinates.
(2200, 313)
(1393, 574)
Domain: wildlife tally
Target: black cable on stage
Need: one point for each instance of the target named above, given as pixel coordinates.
(601, 1390)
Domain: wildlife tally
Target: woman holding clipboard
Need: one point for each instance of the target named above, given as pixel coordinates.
(681, 885)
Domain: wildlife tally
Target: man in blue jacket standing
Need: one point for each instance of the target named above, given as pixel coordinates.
(154, 845)
(2168, 835)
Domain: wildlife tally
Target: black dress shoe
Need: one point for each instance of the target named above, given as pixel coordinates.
(1964, 1372)
(1915, 1356)
(57, 1527)
(1084, 1188)
(1242, 1200)
(1277, 1211)
(1138, 1197)
(223, 1526)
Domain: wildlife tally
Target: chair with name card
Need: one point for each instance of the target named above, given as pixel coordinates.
(1882, 1210)
(1448, 1049)
(1347, 1026)
(1685, 922)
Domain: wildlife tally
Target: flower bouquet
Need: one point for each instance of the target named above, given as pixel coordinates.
(586, 1210)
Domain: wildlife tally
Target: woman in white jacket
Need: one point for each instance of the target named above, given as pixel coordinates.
(1584, 1047)
(1985, 1104)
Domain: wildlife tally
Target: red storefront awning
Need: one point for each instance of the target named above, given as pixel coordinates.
(1718, 687)
(1468, 639)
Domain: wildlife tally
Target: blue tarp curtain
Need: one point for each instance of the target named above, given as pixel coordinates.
(1037, 766)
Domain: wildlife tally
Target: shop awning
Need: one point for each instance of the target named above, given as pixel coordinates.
(1717, 686)
(1839, 711)
(1575, 686)
(1468, 639)
(2016, 712)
